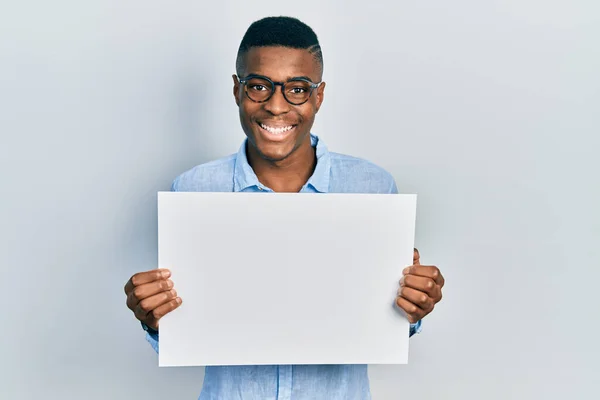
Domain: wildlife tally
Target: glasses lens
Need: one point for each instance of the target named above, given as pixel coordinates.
(297, 92)
(258, 89)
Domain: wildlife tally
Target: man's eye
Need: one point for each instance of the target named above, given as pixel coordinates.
(258, 88)
(298, 90)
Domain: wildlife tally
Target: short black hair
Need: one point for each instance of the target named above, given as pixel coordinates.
(279, 31)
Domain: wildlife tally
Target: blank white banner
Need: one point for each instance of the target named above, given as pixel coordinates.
(285, 278)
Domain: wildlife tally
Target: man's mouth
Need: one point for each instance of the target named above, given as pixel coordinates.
(276, 130)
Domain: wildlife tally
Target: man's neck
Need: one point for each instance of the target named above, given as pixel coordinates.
(288, 175)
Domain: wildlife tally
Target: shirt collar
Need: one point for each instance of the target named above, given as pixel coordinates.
(244, 176)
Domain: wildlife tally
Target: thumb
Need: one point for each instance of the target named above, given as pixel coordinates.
(416, 257)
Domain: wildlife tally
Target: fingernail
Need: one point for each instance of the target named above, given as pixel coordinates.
(179, 301)
(166, 273)
(174, 293)
(406, 270)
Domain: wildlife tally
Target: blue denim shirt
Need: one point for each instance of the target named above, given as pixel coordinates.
(334, 173)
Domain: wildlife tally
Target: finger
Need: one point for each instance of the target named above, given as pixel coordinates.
(427, 271)
(142, 278)
(420, 283)
(159, 312)
(418, 298)
(416, 257)
(413, 312)
(142, 292)
(149, 304)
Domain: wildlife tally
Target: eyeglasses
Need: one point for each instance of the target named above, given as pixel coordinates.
(260, 89)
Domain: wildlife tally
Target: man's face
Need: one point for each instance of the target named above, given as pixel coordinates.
(267, 125)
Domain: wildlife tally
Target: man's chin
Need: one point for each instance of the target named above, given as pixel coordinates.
(274, 155)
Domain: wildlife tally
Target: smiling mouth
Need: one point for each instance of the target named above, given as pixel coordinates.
(276, 130)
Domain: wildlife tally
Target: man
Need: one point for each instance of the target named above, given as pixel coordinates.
(279, 90)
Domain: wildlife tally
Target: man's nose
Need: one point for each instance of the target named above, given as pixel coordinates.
(277, 104)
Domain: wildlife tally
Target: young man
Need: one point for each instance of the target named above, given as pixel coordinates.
(279, 90)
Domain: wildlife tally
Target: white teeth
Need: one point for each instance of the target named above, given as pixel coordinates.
(276, 131)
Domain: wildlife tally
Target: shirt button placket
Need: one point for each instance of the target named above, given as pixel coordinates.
(285, 382)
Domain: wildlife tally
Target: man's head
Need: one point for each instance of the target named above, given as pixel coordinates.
(277, 119)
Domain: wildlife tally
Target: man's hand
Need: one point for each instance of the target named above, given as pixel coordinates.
(420, 289)
(150, 295)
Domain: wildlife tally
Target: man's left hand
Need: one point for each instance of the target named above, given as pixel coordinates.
(420, 289)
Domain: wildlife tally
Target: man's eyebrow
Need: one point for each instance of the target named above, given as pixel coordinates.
(301, 77)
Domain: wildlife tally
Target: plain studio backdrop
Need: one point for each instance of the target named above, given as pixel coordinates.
(488, 110)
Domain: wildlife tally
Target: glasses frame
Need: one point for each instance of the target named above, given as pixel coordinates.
(274, 85)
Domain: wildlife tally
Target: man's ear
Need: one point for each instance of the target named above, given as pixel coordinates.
(320, 95)
(236, 89)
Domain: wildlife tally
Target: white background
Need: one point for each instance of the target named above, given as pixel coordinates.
(489, 110)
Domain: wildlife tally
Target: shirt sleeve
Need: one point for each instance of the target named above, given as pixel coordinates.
(152, 338)
(393, 187)
(415, 328)
(174, 184)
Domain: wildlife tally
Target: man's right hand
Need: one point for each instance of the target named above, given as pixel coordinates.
(150, 295)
